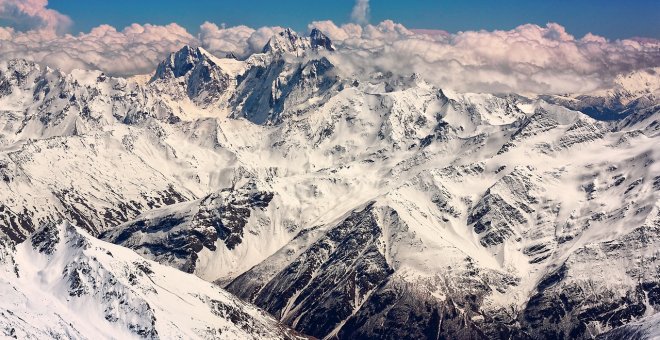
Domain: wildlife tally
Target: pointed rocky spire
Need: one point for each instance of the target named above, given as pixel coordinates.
(181, 62)
(320, 40)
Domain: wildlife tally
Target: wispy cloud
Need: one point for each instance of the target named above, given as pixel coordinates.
(360, 14)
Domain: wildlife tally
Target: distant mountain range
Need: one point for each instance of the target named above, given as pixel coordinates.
(309, 203)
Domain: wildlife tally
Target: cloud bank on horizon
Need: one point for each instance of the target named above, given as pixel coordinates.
(526, 59)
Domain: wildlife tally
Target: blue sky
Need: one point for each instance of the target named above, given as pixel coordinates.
(609, 18)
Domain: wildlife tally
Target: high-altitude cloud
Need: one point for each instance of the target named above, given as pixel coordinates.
(33, 14)
(529, 58)
(241, 41)
(360, 13)
(136, 49)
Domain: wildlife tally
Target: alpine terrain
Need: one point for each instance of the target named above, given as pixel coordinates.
(287, 196)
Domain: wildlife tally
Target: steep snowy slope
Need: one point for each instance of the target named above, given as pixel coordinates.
(457, 258)
(64, 283)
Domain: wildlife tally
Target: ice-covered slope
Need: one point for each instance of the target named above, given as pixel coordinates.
(64, 283)
(439, 254)
(63, 139)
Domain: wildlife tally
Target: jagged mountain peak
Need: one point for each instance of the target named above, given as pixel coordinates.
(16, 71)
(289, 42)
(18, 64)
(179, 63)
(197, 74)
(320, 40)
(285, 41)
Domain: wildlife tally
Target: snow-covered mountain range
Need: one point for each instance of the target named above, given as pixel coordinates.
(345, 205)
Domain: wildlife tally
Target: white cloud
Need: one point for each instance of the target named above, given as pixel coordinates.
(242, 41)
(260, 37)
(33, 14)
(360, 13)
(529, 58)
(134, 50)
(222, 41)
(336, 33)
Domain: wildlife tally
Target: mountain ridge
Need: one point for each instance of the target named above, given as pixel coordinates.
(85, 288)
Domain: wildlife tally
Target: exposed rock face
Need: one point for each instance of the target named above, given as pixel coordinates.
(288, 42)
(504, 207)
(644, 329)
(319, 40)
(46, 239)
(15, 225)
(267, 94)
(203, 79)
(400, 311)
(343, 286)
(320, 289)
(569, 305)
(178, 237)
